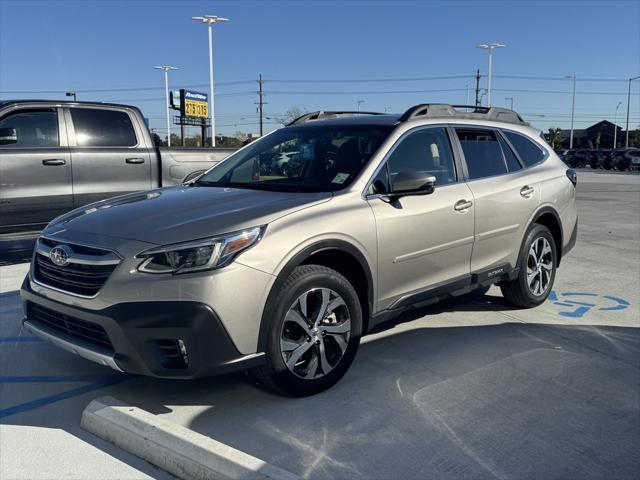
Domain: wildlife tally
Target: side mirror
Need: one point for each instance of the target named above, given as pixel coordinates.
(413, 183)
(8, 136)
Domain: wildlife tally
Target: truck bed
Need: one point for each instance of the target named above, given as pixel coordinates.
(178, 162)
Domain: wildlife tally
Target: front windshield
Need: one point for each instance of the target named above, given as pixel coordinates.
(300, 159)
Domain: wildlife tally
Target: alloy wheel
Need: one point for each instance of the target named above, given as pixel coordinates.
(315, 333)
(539, 266)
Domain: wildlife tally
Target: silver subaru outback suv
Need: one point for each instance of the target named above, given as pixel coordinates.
(282, 270)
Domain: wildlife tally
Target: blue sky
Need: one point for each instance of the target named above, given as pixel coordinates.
(88, 45)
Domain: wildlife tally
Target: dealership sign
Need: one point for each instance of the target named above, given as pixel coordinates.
(191, 104)
(194, 104)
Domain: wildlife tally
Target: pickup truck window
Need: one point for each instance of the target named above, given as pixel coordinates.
(103, 128)
(309, 158)
(29, 129)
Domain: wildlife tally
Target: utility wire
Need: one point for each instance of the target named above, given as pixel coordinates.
(325, 81)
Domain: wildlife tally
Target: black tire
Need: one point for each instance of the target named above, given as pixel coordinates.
(275, 375)
(517, 292)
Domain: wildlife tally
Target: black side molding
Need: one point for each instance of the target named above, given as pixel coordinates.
(458, 286)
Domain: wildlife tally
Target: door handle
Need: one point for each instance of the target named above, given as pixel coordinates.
(526, 191)
(462, 206)
(136, 160)
(54, 162)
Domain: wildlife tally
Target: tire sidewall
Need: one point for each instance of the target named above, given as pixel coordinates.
(283, 377)
(535, 232)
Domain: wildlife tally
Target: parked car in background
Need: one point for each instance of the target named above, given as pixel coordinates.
(603, 159)
(562, 153)
(578, 158)
(567, 156)
(634, 159)
(626, 159)
(56, 156)
(592, 157)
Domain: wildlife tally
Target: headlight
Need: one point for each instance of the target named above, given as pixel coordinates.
(203, 254)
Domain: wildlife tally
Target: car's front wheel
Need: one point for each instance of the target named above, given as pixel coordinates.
(538, 261)
(314, 334)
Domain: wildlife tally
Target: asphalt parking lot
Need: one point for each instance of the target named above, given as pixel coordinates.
(464, 389)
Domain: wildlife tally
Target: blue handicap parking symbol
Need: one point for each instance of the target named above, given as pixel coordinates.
(580, 303)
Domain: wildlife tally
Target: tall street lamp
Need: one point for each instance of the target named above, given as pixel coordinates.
(489, 47)
(573, 107)
(165, 69)
(209, 20)
(71, 94)
(359, 102)
(615, 126)
(626, 142)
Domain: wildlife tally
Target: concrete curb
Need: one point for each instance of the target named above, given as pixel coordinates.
(178, 450)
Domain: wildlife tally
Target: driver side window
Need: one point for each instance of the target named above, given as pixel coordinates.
(427, 150)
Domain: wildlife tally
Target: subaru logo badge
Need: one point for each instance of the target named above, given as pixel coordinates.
(60, 255)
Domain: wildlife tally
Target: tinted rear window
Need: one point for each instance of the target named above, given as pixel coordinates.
(529, 152)
(512, 161)
(103, 128)
(482, 153)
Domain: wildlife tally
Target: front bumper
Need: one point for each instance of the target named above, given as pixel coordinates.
(141, 337)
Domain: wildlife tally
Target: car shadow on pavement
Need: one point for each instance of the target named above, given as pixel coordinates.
(506, 400)
(497, 401)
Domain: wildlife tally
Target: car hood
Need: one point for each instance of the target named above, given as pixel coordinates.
(183, 213)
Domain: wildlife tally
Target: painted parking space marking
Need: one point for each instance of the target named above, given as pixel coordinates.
(95, 382)
(581, 303)
(27, 339)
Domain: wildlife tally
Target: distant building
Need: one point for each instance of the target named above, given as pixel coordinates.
(598, 135)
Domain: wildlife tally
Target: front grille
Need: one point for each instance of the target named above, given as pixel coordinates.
(73, 327)
(79, 278)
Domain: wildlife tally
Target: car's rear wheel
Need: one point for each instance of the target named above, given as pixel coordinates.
(538, 261)
(315, 332)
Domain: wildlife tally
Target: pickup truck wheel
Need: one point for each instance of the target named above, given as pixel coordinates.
(537, 260)
(315, 333)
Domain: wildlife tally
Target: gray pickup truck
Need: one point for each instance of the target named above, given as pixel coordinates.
(56, 156)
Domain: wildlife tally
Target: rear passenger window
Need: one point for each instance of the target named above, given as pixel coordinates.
(427, 150)
(529, 152)
(482, 153)
(512, 161)
(102, 128)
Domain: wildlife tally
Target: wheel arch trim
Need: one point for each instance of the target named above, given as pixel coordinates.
(298, 259)
(544, 210)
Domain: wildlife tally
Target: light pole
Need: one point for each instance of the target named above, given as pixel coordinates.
(209, 20)
(71, 94)
(511, 99)
(615, 127)
(165, 69)
(489, 47)
(359, 102)
(573, 107)
(626, 142)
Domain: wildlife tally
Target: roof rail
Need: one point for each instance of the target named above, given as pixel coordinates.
(438, 110)
(324, 114)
